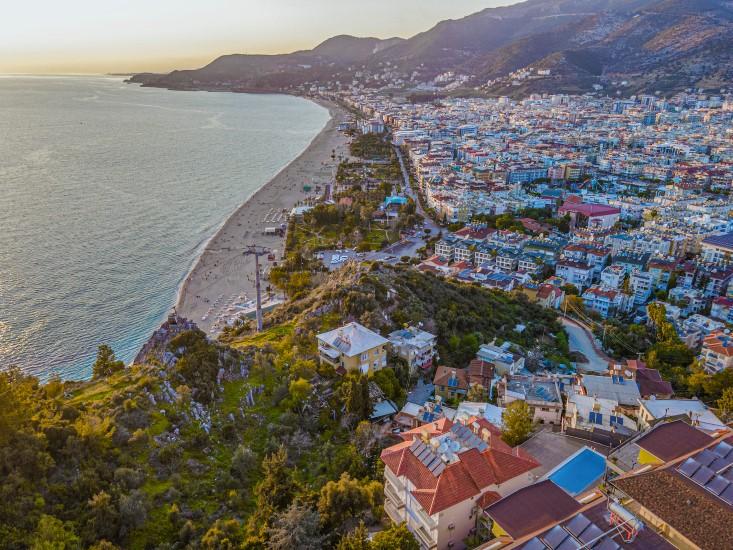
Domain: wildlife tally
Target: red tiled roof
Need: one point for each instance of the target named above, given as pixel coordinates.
(469, 476)
(443, 374)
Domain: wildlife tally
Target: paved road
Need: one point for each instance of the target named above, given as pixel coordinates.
(429, 223)
(580, 340)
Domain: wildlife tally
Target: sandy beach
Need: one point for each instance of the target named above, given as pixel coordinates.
(223, 275)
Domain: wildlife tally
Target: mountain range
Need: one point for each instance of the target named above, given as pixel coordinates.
(637, 45)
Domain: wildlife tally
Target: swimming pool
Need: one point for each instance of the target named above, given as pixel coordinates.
(579, 472)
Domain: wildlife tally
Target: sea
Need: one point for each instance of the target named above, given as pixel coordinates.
(108, 194)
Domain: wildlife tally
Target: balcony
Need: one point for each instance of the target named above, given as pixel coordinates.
(395, 514)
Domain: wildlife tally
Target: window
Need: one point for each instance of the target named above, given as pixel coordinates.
(617, 420)
(595, 418)
(364, 356)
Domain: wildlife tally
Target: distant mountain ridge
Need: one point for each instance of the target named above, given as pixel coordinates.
(664, 45)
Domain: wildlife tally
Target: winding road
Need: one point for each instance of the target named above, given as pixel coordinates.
(581, 340)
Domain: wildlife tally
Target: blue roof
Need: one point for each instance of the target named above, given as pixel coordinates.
(579, 472)
(395, 200)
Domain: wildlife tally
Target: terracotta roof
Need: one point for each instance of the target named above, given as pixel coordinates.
(480, 372)
(672, 440)
(719, 343)
(546, 290)
(698, 514)
(533, 508)
(467, 477)
(443, 374)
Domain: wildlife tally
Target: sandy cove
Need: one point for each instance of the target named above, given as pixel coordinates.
(222, 272)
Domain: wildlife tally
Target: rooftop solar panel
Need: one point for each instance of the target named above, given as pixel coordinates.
(578, 524)
(723, 449)
(703, 475)
(439, 469)
(717, 485)
(555, 537)
(720, 463)
(569, 544)
(689, 467)
(727, 494)
(593, 532)
(432, 462)
(534, 544)
(705, 457)
(424, 452)
(728, 474)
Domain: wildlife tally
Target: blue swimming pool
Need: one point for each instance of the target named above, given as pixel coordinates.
(579, 472)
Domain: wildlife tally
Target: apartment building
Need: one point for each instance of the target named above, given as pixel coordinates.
(443, 474)
(414, 345)
(718, 249)
(606, 302)
(717, 352)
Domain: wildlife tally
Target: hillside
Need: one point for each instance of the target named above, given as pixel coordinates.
(230, 447)
(664, 45)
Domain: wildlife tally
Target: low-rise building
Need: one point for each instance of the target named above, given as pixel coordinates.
(415, 346)
(542, 395)
(651, 411)
(503, 359)
(353, 347)
(450, 384)
(584, 412)
(615, 388)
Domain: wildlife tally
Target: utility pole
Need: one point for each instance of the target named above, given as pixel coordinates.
(257, 251)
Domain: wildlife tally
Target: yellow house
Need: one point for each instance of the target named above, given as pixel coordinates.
(353, 347)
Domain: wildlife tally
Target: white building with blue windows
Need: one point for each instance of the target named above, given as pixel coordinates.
(585, 412)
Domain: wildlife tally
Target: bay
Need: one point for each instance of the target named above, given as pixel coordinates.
(108, 192)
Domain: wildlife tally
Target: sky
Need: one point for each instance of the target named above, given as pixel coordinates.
(102, 36)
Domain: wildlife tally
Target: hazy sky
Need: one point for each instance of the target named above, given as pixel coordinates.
(63, 36)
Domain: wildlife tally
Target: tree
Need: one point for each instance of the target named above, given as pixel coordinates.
(296, 527)
(277, 487)
(354, 393)
(725, 403)
(396, 537)
(341, 501)
(476, 393)
(106, 364)
(300, 390)
(103, 522)
(517, 423)
(358, 539)
(53, 534)
(368, 438)
(244, 463)
(223, 535)
(387, 381)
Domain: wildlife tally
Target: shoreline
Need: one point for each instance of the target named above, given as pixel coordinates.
(221, 275)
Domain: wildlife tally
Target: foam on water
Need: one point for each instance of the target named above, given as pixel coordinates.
(107, 192)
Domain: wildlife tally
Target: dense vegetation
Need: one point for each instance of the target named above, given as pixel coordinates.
(252, 445)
